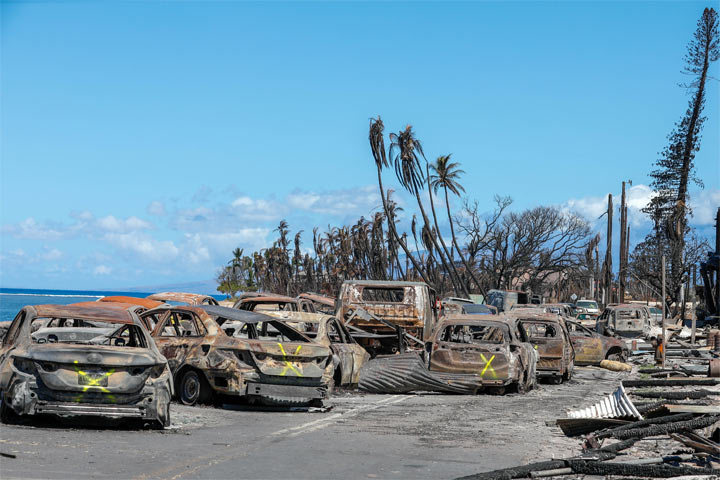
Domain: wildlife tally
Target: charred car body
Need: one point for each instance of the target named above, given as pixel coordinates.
(466, 354)
(215, 350)
(624, 320)
(591, 348)
(550, 336)
(115, 375)
(262, 303)
(384, 308)
(348, 355)
(322, 303)
(504, 300)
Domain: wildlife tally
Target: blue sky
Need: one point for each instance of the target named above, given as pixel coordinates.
(142, 141)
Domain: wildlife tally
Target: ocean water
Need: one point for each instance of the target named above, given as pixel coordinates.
(13, 299)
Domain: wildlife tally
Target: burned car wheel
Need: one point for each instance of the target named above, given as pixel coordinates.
(194, 388)
(616, 356)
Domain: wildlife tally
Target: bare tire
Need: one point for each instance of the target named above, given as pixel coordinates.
(194, 388)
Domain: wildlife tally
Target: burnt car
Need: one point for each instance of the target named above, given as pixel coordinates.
(216, 351)
(591, 348)
(494, 347)
(118, 375)
(465, 354)
(348, 355)
(322, 303)
(505, 300)
(381, 308)
(624, 320)
(263, 303)
(181, 298)
(550, 336)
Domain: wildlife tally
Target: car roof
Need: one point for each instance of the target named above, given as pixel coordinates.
(143, 302)
(461, 319)
(269, 299)
(315, 297)
(178, 297)
(235, 314)
(533, 316)
(384, 283)
(111, 313)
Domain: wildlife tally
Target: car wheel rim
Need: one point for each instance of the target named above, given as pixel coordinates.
(191, 388)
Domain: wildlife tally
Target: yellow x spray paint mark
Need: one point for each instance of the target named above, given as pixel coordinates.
(487, 365)
(93, 382)
(288, 365)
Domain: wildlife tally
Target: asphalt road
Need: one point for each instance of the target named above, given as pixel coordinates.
(361, 436)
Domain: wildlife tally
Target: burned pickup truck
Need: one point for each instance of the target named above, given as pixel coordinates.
(466, 354)
(385, 309)
(118, 375)
(215, 351)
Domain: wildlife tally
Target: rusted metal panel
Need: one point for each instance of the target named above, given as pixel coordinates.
(143, 302)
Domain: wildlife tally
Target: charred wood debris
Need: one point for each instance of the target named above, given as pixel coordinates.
(660, 423)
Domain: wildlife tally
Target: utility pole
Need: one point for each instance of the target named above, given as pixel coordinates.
(691, 294)
(663, 312)
(608, 253)
(623, 239)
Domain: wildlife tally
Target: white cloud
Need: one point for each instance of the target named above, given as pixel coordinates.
(147, 248)
(51, 254)
(130, 224)
(102, 270)
(157, 208)
(353, 202)
(259, 210)
(704, 204)
(30, 229)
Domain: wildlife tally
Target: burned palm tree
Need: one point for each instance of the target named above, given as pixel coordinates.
(377, 145)
(407, 152)
(446, 176)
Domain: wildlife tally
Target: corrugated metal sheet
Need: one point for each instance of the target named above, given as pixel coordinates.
(615, 405)
(407, 373)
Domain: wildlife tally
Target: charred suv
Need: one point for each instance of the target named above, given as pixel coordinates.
(117, 374)
(466, 354)
(215, 350)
